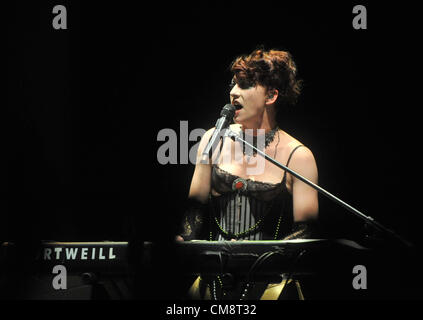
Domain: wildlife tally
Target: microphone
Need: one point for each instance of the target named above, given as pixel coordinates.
(226, 116)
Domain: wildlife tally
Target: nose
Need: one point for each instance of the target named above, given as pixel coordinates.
(234, 93)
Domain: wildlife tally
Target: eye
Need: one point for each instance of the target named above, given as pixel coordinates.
(232, 84)
(245, 83)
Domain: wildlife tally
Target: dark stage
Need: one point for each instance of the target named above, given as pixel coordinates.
(85, 106)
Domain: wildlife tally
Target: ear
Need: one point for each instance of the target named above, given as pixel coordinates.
(271, 97)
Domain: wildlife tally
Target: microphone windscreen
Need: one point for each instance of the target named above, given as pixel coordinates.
(228, 111)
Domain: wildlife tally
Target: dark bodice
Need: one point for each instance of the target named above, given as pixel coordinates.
(241, 209)
(247, 209)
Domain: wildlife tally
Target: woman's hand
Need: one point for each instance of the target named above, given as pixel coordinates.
(179, 238)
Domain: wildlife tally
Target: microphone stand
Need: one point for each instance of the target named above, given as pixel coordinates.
(368, 220)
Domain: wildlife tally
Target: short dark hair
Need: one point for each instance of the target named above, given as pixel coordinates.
(273, 69)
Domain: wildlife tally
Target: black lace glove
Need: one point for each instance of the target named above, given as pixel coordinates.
(303, 230)
(194, 223)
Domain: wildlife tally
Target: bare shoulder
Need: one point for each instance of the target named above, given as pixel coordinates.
(302, 155)
(207, 135)
(206, 138)
(235, 127)
(209, 132)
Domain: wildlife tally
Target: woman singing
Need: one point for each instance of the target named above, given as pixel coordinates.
(238, 196)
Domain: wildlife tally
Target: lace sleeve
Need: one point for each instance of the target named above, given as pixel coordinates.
(303, 230)
(194, 221)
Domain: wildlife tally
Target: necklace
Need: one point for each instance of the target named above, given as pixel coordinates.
(257, 141)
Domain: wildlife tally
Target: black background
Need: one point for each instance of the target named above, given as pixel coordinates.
(86, 104)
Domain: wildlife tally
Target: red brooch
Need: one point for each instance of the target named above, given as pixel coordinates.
(239, 184)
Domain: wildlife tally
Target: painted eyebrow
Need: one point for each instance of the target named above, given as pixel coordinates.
(232, 83)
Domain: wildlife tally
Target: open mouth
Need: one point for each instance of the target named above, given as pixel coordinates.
(237, 105)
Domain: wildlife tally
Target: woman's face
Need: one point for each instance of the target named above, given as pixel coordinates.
(249, 101)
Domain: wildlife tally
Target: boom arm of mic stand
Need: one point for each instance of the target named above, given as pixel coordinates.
(369, 220)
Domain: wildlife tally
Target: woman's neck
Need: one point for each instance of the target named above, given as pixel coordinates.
(267, 123)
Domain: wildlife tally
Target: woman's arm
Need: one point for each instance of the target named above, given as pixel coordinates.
(201, 179)
(305, 198)
(193, 220)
